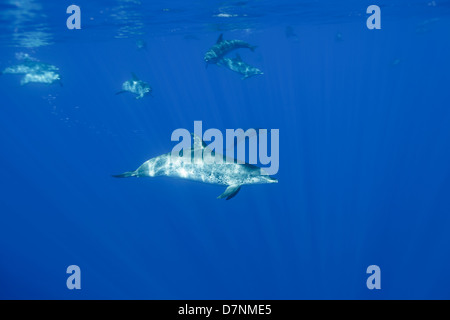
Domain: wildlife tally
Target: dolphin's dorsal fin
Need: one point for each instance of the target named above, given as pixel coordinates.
(134, 76)
(240, 139)
(230, 192)
(220, 38)
(238, 57)
(198, 142)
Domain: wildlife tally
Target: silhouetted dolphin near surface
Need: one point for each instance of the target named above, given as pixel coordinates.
(223, 47)
(228, 173)
(136, 86)
(239, 66)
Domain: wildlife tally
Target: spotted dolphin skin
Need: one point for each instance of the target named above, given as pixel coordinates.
(228, 173)
(136, 86)
(239, 66)
(34, 71)
(223, 47)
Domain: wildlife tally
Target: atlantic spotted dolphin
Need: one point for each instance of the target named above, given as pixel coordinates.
(136, 86)
(239, 66)
(34, 71)
(227, 173)
(223, 47)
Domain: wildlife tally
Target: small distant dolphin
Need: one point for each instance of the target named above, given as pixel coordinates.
(396, 62)
(223, 47)
(239, 66)
(34, 71)
(136, 86)
(228, 173)
(290, 33)
(47, 77)
(141, 44)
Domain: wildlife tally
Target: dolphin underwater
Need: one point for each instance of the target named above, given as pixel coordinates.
(228, 173)
(239, 66)
(34, 71)
(290, 33)
(141, 44)
(223, 47)
(136, 86)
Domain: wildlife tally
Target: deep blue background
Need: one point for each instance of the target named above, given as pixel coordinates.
(364, 157)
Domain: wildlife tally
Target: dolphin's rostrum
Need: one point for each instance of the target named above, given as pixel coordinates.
(227, 173)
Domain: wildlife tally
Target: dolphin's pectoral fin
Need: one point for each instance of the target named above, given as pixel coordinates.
(121, 91)
(230, 192)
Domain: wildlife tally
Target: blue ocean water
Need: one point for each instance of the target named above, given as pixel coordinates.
(364, 175)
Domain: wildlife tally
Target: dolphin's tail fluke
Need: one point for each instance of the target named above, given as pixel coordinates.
(126, 174)
(252, 48)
